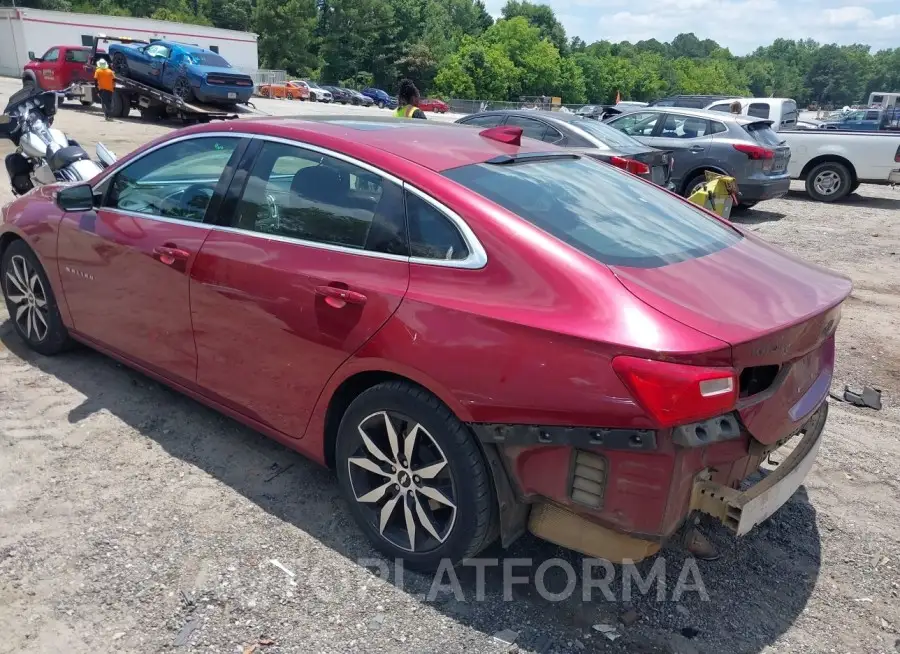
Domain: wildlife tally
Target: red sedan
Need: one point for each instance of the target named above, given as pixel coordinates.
(483, 334)
(433, 104)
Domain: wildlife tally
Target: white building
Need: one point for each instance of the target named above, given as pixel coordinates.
(24, 30)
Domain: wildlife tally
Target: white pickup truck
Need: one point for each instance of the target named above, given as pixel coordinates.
(834, 163)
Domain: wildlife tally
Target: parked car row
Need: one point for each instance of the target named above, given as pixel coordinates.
(308, 90)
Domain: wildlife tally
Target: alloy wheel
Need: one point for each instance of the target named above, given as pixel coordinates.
(827, 182)
(182, 88)
(401, 478)
(26, 292)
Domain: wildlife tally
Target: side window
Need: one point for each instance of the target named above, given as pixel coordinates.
(715, 127)
(872, 115)
(484, 121)
(684, 127)
(724, 107)
(758, 110)
(637, 124)
(78, 56)
(552, 135)
(431, 234)
(214, 48)
(176, 181)
(157, 51)
(302, 194)
(51, 55)
(530, 128)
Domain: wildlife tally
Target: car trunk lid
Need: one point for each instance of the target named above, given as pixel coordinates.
(763, 135)
(778, 314)
(660, 163)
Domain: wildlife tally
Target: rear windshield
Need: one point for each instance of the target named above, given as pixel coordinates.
(789, 113)
(609, 215)
(763, 134)
(208, 59)
(78, 56)
(609, 136)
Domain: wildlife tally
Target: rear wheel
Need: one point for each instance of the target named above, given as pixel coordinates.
(118, 105)
(182, 89)
(30, 302)
(381, 104)
(828, 182)
(694, 185)
(86, 103)
(414, 476)
(854, 186)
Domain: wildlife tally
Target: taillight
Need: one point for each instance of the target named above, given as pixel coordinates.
(754, 152)
(631, 165)
(897, 156)
(674, 393)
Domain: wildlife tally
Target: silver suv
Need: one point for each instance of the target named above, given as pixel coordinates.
(742, 147)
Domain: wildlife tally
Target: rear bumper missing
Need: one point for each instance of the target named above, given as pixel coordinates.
(740, 511)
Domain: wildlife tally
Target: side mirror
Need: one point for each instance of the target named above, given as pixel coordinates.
(31, 56)
(76, 198)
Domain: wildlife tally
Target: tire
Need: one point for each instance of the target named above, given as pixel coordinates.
(854, 186)
(312, 97)
(462, 482)
(118, 107)
(86, 103)
(828, 182)
(691, 186)
(28, 83)
(41, 327)
(380, 104)
(120, 65)
(182, 89)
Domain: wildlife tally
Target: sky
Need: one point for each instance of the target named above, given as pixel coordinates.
(747, 24)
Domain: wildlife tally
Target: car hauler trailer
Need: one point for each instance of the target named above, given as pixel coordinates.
(152, 103)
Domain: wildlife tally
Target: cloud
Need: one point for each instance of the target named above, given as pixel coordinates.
(740, 25)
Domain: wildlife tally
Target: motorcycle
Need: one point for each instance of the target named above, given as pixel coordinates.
(44, 155)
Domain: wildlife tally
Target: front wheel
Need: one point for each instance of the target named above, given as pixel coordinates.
(381, 104)
(120, 65)
(30, 301)
(695, 184)
(414, 477)
(828, 182)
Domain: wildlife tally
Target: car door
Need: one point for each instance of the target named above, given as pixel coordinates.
(49, 70)
(125, 266)
(640, 124)
(312, 260)
(171, 69)
(688, 138)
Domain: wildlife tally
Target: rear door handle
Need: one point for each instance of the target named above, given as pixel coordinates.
(697, 148)
(170, 254)
(341, 295)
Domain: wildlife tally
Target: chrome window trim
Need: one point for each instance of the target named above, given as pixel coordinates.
(476, 260)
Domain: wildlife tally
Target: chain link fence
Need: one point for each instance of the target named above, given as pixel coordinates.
(267, 77)
(461, 106)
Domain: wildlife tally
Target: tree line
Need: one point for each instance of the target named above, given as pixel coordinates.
(454, 48)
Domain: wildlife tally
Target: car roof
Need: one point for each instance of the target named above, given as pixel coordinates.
(534, 113)
(435, 145)
(721, 116)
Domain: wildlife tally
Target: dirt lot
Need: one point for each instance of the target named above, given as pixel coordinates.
(135, 520)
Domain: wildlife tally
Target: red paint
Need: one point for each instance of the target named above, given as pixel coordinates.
(267, 330)
(433, 104)
(60, 74)
(105, 29)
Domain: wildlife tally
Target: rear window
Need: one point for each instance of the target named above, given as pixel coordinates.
(789, 113)
(763, 134)
(609, 215)
(208, 59)
(78, 56)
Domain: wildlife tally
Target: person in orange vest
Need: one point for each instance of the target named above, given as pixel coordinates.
(105, 85)
(408, 98)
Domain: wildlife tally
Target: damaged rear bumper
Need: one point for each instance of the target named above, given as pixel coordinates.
(740, 511)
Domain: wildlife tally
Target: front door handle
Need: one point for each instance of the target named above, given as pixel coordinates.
(338, 297)
(697, 148)
(170, 254)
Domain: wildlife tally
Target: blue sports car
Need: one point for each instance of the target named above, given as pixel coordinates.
(189, 72)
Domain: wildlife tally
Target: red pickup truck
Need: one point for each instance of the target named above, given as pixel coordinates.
(60, 67)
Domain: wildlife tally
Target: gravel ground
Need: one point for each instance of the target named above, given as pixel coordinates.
(135, 520)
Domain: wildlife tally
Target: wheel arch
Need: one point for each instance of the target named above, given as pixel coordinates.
(343, 393)
(29, 76)
(699, 169)
(6, 238)
(829, 158)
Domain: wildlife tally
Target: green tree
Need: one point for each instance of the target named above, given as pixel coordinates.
(231, 14)
(286, 40)
(540, 16)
